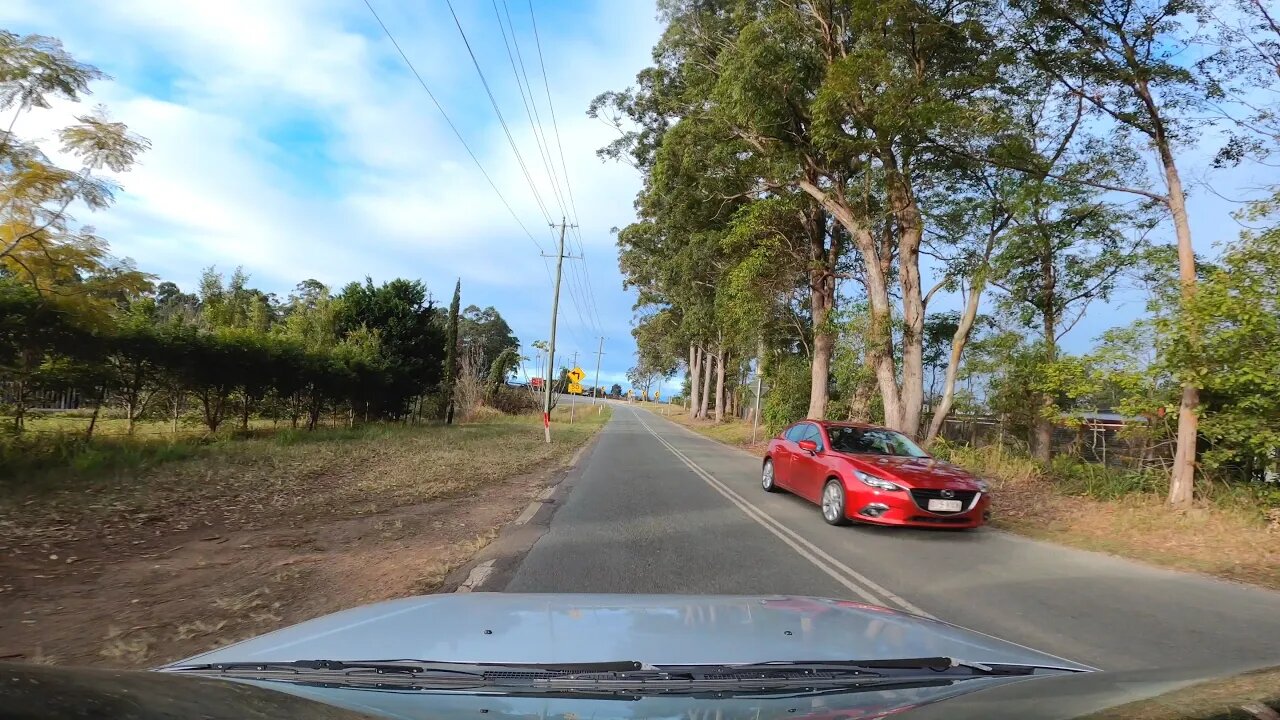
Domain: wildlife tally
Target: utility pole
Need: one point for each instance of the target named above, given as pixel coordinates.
(755, 416)
(551, 347)
(595, 393)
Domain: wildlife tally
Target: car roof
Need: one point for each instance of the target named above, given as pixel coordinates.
(839, 424)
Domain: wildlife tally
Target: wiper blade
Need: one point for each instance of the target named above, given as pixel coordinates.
(408, 668)
(896, 666)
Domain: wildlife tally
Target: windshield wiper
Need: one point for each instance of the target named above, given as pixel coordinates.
(896, 666)
(408, 668)
(614, 677)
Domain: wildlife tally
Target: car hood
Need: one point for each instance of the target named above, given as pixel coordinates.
(916, 472)
(652, 629)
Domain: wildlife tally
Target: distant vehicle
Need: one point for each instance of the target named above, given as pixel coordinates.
(872, 474)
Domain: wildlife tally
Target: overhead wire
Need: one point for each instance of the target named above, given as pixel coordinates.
(546, 84)
(498, 111)
(451, 125)
(539, 134)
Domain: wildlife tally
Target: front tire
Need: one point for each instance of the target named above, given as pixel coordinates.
(833, 503)
(767, 479)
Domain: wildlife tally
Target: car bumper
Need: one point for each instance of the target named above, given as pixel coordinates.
(883, 508)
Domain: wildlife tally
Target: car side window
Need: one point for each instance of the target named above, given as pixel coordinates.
(814, 434)
(797, 432)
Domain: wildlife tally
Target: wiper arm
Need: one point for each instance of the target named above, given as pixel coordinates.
(896, 666)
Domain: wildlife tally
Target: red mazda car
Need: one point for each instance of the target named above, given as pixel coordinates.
(874, 475)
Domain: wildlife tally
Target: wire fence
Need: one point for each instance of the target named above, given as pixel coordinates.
(1118, 443)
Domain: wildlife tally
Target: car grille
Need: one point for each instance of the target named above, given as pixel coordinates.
(939, 520)
(923, 496)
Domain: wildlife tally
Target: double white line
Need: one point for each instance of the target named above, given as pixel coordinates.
(857, 583)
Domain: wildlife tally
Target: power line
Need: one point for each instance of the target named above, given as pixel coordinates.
(452, 127)
(498, 111)
(546, 84)
(539, 134)
(555, 125)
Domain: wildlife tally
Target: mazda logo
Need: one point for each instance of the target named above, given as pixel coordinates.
(948, 493)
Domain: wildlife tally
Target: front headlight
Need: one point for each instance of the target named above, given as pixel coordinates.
(983, 486)
(875, 482)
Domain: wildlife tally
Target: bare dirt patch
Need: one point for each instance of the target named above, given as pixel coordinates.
(200, 554)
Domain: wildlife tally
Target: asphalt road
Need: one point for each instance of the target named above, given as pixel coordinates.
(659, 509)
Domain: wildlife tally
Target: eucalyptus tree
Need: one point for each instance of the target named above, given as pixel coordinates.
(839, 102)
(1128, 63)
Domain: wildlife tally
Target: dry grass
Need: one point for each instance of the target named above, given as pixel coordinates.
(1223, 699)
(359, 470)
(732, 432)
(260, 533)
(1232, 542)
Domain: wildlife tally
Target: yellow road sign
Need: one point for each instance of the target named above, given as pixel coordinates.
(575, 389)
(576, 375)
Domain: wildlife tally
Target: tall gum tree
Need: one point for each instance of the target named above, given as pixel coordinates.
(1124, 59)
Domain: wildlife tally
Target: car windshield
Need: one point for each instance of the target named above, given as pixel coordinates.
(873, 441)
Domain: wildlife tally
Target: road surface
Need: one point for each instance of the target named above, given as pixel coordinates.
(659, 509)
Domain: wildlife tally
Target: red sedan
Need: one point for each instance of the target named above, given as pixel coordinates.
(874, 475)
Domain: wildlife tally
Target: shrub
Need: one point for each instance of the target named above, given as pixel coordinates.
(787, 398)
(514, 401)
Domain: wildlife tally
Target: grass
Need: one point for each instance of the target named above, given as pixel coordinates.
(1227, 533)
(363, 469)
(733, 432)
(1232, 532)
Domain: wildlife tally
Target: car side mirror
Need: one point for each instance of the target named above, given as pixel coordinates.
(809, 445)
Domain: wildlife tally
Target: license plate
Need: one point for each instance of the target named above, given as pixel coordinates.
(945, 505)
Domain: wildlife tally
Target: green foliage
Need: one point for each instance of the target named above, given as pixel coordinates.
(1228, 343)
(39, 241)
(1101, 482)
(786, 398)
(503, 365)
(451, 352)
(487, 330)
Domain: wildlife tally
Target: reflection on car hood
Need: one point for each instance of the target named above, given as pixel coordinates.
(653, 629)
(918, 472)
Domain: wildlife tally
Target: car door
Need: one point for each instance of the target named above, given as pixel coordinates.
(785, 455)
(807, 468)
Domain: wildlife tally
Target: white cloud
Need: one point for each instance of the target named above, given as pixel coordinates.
(383, 188)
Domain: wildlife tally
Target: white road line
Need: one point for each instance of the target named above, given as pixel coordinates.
(863, 586)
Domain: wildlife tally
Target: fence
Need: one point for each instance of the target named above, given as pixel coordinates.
(1111, 440)
(41, 399)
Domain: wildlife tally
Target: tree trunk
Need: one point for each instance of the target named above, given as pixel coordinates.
(20, 406)
(93, 419)
(244, 414)
(1182, 478)
(823, 256)
(695, 367)
(1043, 450)
(860, 401)
(705, 400)
(910, 233)
(721, 358)
(177, 402)
(1047, 411)
(958, 341)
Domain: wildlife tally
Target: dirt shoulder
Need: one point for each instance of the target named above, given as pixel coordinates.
(1226, 542)
(160, 564)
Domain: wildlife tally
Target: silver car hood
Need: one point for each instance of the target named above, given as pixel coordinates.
(651, 629)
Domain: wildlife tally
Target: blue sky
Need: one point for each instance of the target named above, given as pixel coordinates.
(289, 138)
